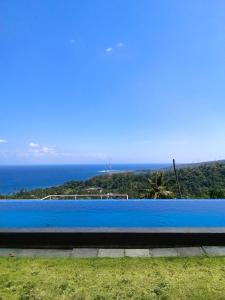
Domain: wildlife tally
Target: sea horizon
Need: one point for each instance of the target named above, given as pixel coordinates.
(82, 164)
(27, 177)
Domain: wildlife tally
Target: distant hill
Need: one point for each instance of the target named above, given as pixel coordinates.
(205, 163)
(196, 165)
(183, 165)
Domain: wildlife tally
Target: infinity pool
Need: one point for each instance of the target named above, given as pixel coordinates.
(39, 214)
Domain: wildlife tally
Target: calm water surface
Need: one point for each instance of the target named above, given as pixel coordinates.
(111, 213)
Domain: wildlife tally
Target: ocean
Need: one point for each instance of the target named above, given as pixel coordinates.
(15, 178)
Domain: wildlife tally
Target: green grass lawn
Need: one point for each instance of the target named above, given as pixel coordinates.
(125, 278)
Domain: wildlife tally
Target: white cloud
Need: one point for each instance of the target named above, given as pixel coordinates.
(119, 45)
(34, 145)
(108, 50)
(2, 141)
(37, 149)
(47, 150)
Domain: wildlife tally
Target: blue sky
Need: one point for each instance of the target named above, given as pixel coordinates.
(97, 80)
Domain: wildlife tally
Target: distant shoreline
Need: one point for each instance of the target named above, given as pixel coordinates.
(29, 177)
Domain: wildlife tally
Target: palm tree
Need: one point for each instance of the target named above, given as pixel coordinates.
(156, 189)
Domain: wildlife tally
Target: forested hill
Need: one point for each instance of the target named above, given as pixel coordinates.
(203, 181)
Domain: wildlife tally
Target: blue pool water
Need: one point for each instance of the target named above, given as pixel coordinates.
(111, 213)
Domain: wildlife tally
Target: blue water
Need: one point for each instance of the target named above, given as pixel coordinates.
(15, 178)
(111, 213)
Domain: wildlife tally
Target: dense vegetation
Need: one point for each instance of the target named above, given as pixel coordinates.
(201, 181)
(137, 278)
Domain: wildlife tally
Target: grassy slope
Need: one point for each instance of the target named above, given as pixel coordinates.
(174, 278)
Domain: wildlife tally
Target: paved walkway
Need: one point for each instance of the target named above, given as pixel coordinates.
(94, 252)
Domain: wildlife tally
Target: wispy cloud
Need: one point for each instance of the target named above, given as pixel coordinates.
(108, 50)
(3, 141)
(37, 149)
(34, 145)
(119, 44)
(48, 150)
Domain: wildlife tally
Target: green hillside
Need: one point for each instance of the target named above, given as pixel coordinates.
(196, 181)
